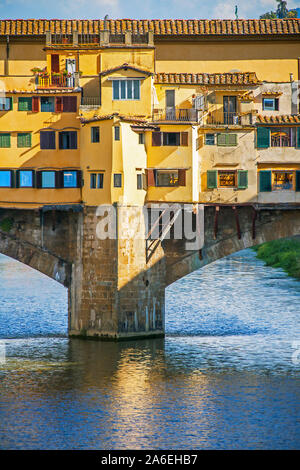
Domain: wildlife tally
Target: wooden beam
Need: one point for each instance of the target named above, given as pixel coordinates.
(217, 210)
(238, 228)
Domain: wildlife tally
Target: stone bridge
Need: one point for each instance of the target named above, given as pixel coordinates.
(115, 290)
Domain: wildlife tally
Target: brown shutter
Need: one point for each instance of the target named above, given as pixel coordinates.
(181, 177)
(35, 104)
(55, 63)
(184, 138)
(69, 104)
(150, 178)
(156, 139)
(59, 104)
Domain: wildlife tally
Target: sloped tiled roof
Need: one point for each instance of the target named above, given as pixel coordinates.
(281, 119)
(193, 27)
(125, 67)
(237, 78)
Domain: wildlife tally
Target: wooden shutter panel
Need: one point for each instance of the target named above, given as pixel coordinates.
(79, 179)
(263, 137)
(13, 179)
(150, 178)
(5, 140)
(69, 104)
(211, 179)
(59, 179)
(73, 140)
(276, 104)
(242, 179)
(184, 138)
(38, 179)
(17, 179)
(59, 108)
(231, 139)
(298, 137)
(181, 177)
(297, 180)
(221, 139)
(156, 139)
(35, 104)
(55, 63)
(265, 181)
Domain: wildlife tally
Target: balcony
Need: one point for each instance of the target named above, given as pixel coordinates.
(90, 101)
(182, 115)
(228, 119)
(56, 80)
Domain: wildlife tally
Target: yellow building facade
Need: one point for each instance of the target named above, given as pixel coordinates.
(133, 112)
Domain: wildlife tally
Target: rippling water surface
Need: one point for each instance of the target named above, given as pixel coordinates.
(225, 377)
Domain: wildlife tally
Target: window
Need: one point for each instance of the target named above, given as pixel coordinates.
(5, 178)
(283, 137)
(270, 104)
(166, 178)
(48, 179)
(227, 140)
(126, 89)
(209, 139)
(70, 179)
(25, 104)
(141, 138)
(282, 180)
(117, 132)
(227, 179)
(6, 104)
(24, 139)
(25, 179)
(96, 180)
(279, 180)
(68, 140)
(95, 134)
(169, 139)
(117, 180)
(47, 140)
(4, 140)
(47, 104)
(139, 181)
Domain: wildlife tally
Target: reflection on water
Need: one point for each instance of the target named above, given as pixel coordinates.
(222, 378)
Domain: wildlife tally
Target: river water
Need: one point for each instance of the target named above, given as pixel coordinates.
(225, 377)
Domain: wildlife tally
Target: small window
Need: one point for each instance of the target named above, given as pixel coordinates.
(25, 178)
(117, 132)
(24, 139)
(141, 138)
(227, 179)
(25, 104)
(126, 89)
(70, 179)
(171, 138)
(209, 139)
(5, 104)
(48, 179)
(282, 180)
(4, 140)
(167, 178)
(47, 104)
(68, 140)
(47, 140)
(5, 179)
(117, 180)
(96, 180)
(139, 181)
(95, 134)
(270, 104)
(226, 140)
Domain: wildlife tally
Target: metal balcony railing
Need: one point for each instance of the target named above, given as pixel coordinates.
(222, 118)
(55, 81)
(88, 38)
(92, 101)
(61, 39)
(139, 38)
(117, 38)
(175, 115)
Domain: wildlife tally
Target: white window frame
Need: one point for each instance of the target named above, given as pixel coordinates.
(122, 80)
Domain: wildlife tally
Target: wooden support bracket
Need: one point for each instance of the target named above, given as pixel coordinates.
(254, 217)
(217, 210)
(238, 228)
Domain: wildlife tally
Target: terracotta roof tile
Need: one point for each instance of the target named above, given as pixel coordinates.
(125, 67)
(238, 78)
(280, 119)
(289, 26)
(123, 117)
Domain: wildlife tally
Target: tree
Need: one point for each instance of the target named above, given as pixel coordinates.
(281, 12)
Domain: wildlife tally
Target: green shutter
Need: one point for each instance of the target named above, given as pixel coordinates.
(297, 180)
(211, 179)
(265, 181)
(263, 137)
(298, 137)
(227, 140)
(242, 179)
(24, 139)
(221, 139)
(25, 104)
(10, 103)
(5, 140)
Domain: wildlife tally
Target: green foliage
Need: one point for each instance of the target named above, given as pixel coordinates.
(283, 254)
(281, 12)
(6, 224)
